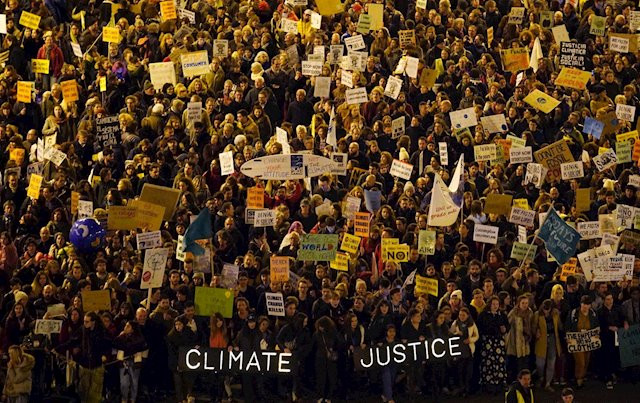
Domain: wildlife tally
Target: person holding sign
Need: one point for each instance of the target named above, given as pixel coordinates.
(53, 53)
(579, 320)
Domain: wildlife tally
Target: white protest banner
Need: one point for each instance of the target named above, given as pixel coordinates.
(356, 96)
(226, 163)
(149, 240)
(85, 209)
(311, 68)
(634, 20)
(618, 44)
(463, 118)
(522, 217)
(589, 229)
(588, 340)
(54, 155)
(443, 212)
(572, 170)
(48, 326)
(401, 169)
(443, 152)
(194, 63)
(194, 111)
(494, 123)
(520, 155)
(393, 87)
(605, 160)
(275, 303)
(316, 20)
(485, 152)
(180, 248)
(229, 275)
(485, 234)
(162, 73)
(340, 160)
(355, 42)
(155, 263)
(588, 258)
(322, 87)
(614, 268)
(265, 218)
(625, 112)
(397, 127)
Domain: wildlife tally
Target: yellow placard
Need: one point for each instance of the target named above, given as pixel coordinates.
(279, 268)
(521, 203)
(162, 196)
(148, 215)
(583, 199)
(515, 59)
(376, 11)
(70, 90)
(17, 155)
(568, 269)
(75, 198)
(94, 301)
(255, 197)
(40, 66)
(341, 262)
(103, 84)
(168, 10)
(111, 35)
(350, 243)
(121, 217)
(573, 78)
(396, 253)
(498, 204)
(626, 136)
(330, 7)
(34, 186)
(426, 285)
(29, 20)
(541, 101)
(24, 91)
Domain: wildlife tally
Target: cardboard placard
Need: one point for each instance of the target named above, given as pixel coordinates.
(95, 301)
(211, 300)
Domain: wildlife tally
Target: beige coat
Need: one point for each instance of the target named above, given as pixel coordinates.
(18, 380)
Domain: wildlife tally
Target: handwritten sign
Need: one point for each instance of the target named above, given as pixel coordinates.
(578, 342)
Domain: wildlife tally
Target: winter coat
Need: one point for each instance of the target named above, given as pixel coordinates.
(18, 381)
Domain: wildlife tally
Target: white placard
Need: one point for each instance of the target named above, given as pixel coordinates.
(605, 160)
(520, 155)
(411, 69)
(611, 240)
(220, 48)
(485, 152)
(618, 44)
(522, 217)
(48, 326)
(85, 209)
(226, 163)
(401, 169)
(485, 234)
(589, 229)
(316, 20)
(335, 54)
(463, 118)
(494, 123)
(560, 34)
(356, 96)
(162, 73)
(444, 153)
(77, 50)
(194, 111)
(397, 127)
(265, 218)
(572, 170)
(625, 112)
(355, 42)
(393, 87)
(149, 240)
(322, 87)
(634, 180)
(190, 15)
(311, 68)
(180, 248)
(275, 303)
(54, 155)
(155, 263)
(229, 275)
(346, 78)
(626, 215)
(535, 174)
(289, 26)
(522, 234)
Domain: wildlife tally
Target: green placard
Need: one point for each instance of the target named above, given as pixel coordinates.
(519, 251)
(211, 300)
(426, 242)
(320, 247)
(364, 24)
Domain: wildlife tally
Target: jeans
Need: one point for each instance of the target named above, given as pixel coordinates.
(129, 377)
(388, 379)
(90, 384)
(549, 360)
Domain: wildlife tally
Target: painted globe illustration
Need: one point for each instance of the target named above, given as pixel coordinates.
(87, 235)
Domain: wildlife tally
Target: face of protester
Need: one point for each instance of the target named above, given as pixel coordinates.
(524, 304)
(525, 380)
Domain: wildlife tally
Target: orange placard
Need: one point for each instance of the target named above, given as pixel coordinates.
(70, 90)
(361, 225)
(255, 197)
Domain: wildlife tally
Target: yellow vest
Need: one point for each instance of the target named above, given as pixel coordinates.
(520, 397)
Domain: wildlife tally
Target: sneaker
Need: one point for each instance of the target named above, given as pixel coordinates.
(610, 385)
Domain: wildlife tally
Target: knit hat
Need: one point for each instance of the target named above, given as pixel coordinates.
(404, 155)
(457, 294)
(20, 295)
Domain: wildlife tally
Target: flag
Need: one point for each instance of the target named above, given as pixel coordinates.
(536, 54)
(200, 228)
(456, 187)
(442, 211)
(560, 239)
(331, 131)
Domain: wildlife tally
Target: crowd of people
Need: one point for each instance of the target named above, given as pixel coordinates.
(261, 95)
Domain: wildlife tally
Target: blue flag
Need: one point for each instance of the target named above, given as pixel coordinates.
(200, 228)
(560, 239)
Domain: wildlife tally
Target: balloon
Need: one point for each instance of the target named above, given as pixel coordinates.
(87, 235)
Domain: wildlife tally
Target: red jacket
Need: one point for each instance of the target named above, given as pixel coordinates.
(56, 59)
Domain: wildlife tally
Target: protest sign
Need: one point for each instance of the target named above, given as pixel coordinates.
(229, 275)
(572, 170)
(255, 197)
(29, 20)
(619, 43)
(515, 59)
(629, 341)
(155, 264)
(584, 341)
(121, 217)
(33, 191)
(546, 19)
(108, 131)
(605, 160)
(521, 203)
(350, 243)
(211, 300)
(24, 89)
(264, 218)
(588, 229)
(560, 239)
(397, 127)
(541, 101)
(234, 361)
(443, 211)
(392, 88)
(403, 354)
(341, 262)
(321, 247)
(521, 251)
(494, 123)
(361, 225)
(40, 66)
(625, 112)
(275, 303)
(279, 268)
(625, 215)
(355, 42)
(443, 153)
(395, 253)
(311, 68)
(407, 37)
(148, 215)
(111, 34)
(593, 127)
(522, 217)
(485, 234)
(485, 152)
(364, 24)
(47, 326)
(568, 269)
(322, 87)
(161, 196)
(463, 118)
(162, 73)
(168, 10)
(573, 78)
(194, 63)
(583, 199)
(425, 285)
(516, 15)
(148, 240)
(598, 25)
(552, 157)
(372, 200)
(401, 169)
(623, 152)
(498, 204)
(572, 54)
(520, 155)
(194, 112)
(95, 301)
(355, 96)
(560, 34)
(426, 242)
